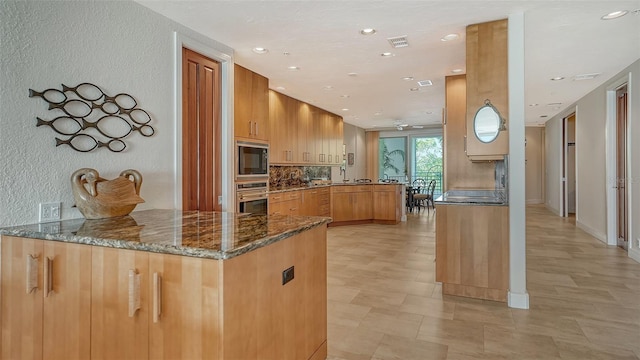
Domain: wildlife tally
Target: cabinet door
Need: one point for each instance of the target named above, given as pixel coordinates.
(183, 293)
(306, 149)
(384, 205)
(279, 132)
(22, 298)
(251, 104)
(362, 209)
(119, 304)
(342, 206)
(67, 301)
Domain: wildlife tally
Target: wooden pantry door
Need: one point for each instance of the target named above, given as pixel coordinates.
(201, 132)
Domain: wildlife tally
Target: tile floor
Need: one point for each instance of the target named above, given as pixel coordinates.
(384, 302)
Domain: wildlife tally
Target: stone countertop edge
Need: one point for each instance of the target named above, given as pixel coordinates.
(190, 251)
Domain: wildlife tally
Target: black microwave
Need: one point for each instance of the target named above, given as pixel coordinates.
(252, 160)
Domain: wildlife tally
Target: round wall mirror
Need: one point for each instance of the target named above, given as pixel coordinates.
(487, 123)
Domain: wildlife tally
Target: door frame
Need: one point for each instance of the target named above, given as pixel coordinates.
(611, 142)
(565, 165)
(227, 146)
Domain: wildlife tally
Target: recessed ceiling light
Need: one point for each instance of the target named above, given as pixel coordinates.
(352, 74)
(260, 50)
(554, 104)
(286, 53)
(377, 113)
(345, 109)
(450, 37)
(368, 31)
(328, 87)
(456, 71)
(615, 15)
(544, 116)
(534, 104)
(293, 68)
(345, 96)
(414, 89)
(425, 83)
(386, 54)
(407, 78)
(280, 88)
(557, 78)
(429, 112)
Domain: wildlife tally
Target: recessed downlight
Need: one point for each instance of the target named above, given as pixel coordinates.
(377, 113)
(260, 50)
(280, 88)
(414, 89)
(328, 87)
(407, 78)
(352, 74)
(387, 54)
(456, 71)
(345, 96)
(368, 31)
(534, 104)
(557, 78)
(449, 37)
(345, 109)
(615, 15)
(293, 68)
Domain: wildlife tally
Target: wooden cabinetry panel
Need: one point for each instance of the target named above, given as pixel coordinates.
(32, 322)
(387, 203)
(487, 78)
(251, 104)
(472, 250)
(115, 333)
(22, 312)
(184, 320)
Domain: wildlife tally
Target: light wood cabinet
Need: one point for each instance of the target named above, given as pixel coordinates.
(487, 78)
(472, 251)
(250, 104)
(285, 203)
(119, 304)
(351, 203)
(303, 134)
(44, 295)
(387, 203)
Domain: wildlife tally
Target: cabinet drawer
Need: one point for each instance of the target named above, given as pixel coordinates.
(389, 188)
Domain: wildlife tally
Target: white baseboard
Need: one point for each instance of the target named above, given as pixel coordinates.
(518, 300)
(591, 231)
(634, 253)
(535, 201)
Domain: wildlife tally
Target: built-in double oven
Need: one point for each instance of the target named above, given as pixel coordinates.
(252, 197)
(252, 177)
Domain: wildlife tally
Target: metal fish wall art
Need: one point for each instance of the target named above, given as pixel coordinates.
(92, 119)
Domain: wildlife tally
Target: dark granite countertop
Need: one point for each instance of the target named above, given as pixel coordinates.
(205, 234)
(276, 190)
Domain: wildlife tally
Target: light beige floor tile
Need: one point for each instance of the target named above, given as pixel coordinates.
(519, 345)
(401, 348)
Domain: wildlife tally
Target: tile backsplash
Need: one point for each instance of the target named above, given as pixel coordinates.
(293, 176)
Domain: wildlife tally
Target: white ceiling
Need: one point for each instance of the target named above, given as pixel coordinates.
(322, 38)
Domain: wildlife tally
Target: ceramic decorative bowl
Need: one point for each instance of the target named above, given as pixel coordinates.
(98, 198)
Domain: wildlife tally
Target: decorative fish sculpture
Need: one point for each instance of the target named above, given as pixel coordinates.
(114, 131)
(52, 96)
(124, 101)
(73, 108)
(86, 143)
(63, 122)
(85, 91)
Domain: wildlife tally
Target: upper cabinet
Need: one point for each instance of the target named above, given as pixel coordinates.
(250, 104)
(303, 134)
(487, 82)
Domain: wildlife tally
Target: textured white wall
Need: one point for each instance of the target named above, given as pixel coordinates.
(534, 166)
(553, 164)
(120, 46)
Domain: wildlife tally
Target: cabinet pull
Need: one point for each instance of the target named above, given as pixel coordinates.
(48, 276)
(330, 158)
(134, 292)
(32, 273)
(256, 132)
(157, 297)
(250, 127)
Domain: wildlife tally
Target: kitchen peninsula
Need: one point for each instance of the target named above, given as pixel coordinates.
(165, 284)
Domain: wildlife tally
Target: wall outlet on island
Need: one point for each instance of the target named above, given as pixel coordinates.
(49, 212)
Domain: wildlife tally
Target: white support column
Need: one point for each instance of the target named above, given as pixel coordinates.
(518, 296)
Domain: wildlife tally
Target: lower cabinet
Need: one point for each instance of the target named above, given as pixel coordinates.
(46, 299)
(387, 203)
(373, 203)
(70, 301)
(285, 203)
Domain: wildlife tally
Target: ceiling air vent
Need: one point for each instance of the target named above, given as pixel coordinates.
(425, 83)
(398, 41)
(586, 76)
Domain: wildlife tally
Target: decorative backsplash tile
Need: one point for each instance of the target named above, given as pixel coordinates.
(296, 176)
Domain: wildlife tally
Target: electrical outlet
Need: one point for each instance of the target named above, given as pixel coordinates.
(49, 212)
(287, 275)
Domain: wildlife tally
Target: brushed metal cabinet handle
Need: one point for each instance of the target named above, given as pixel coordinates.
(134, 292)
(32, 273)
(157, 297)
(250, 127)
(48, 276)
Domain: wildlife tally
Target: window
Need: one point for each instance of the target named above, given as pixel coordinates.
(392, 159)
(427, 160)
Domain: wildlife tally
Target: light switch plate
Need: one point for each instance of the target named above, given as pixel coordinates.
(49, 212)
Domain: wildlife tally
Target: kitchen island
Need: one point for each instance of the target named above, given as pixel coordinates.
(472, 243)
(165, 284)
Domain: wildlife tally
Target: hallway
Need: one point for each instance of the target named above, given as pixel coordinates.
(384, 302)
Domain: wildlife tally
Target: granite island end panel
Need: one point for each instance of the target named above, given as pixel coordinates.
(204, 234)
